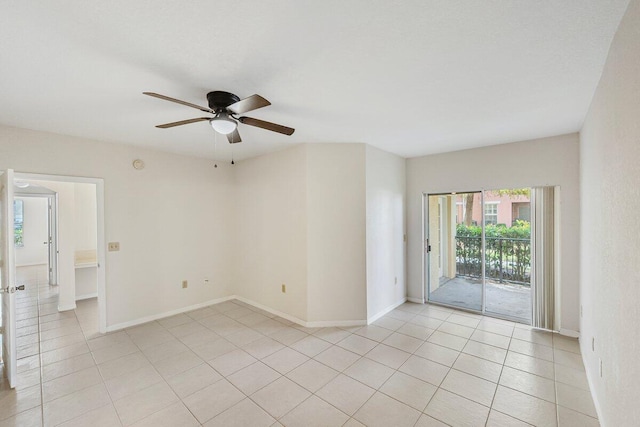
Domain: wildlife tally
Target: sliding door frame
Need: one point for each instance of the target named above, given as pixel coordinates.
(426, 265)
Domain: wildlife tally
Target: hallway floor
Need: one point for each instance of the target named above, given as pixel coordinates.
(231, 364)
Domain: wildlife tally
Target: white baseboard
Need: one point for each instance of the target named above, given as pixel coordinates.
(86, 296)
(170, 313)
(335, 323)
(416, 300)
(378, 315)
(67, 307)
(569, 333)
(271, 310)
(313, 324)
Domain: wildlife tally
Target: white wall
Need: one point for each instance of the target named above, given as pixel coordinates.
(301, 222)
(66, 242)
(386, 188)
(86, 225)
(86, 233)
(610, 194)
(35, 232)
(547, 161)
(336, 232)
(172, 218)
(269, 227)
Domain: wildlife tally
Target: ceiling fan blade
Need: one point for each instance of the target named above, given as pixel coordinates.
(188, 104)
(266, 125)
(182, 122)
(234, 137)
(248, 104)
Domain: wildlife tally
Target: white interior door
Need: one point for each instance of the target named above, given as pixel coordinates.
(7, 277)
(53, 240)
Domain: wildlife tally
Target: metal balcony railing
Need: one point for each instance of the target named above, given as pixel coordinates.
(507, 260)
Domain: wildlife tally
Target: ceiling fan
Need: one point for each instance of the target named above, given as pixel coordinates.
(226, 108)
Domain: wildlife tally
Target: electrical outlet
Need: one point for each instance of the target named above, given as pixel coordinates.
(114, 246)
(185, 284)
(580, 310)
(284, 288)
(206, 280)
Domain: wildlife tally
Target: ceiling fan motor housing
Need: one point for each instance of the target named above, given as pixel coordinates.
(220, 100)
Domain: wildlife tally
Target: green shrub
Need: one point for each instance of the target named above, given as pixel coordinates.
(506, 259)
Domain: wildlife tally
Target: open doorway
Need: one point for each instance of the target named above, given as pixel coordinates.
(35, 234)
(74, 220)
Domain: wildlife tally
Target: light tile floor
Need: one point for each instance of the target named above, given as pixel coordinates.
(234, 365)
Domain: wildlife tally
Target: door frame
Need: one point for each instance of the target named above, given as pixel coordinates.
(9, 287)
(426, 265)
(100, 238)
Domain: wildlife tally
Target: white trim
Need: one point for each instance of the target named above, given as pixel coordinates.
(86, 296)
(315, 324)
(31, 264)
(67, 307)
(271, 310)
(170, 313)
(416, 300)
(569, 333)
(392, 307)
(335, 323)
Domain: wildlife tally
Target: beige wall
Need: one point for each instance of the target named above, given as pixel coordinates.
(610, 190)
(296, 217)
(270, 230)
(35, 232)
(547, 161)
(336, 227)
(301, 222)
(171, 219)
(385, 228)
(66, 242)
(86, 225)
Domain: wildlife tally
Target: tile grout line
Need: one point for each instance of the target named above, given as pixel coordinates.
(311, 332)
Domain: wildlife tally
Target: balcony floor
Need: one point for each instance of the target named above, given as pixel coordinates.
(509, 300)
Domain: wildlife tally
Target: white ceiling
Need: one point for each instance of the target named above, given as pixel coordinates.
(410, 77)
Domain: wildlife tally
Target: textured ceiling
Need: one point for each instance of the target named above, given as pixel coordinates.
(410, 77)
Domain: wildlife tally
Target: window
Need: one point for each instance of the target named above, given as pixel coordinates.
(18, 217)
(490, 213)
(522, 212)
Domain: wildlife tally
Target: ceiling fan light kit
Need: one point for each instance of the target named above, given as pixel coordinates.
(223, 124)
(226, 108)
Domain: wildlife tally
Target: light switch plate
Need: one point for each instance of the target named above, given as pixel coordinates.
(114, 246)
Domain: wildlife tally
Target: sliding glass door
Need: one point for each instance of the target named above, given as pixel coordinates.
(478, 252)
(454, 259)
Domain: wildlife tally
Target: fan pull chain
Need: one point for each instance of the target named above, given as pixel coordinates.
(215, 150)
(232, 162)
